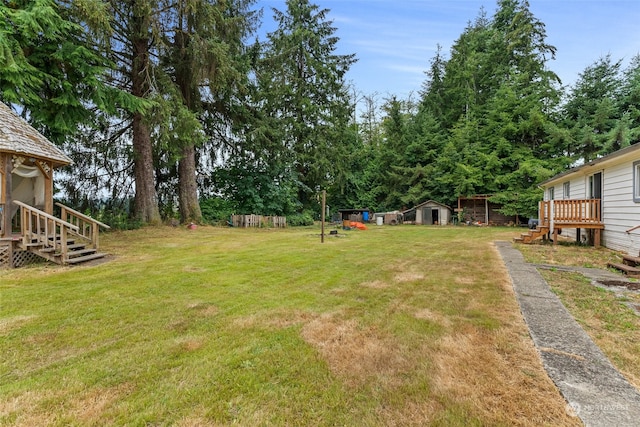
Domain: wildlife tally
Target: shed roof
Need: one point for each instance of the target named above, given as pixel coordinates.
(428, 202)
(18, 137)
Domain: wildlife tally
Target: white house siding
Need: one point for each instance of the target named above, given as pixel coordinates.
(619, 211)
(579, 187)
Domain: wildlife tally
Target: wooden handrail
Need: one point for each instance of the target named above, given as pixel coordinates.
(633, 228)
(89, 228)
(82, 216)
(47, 216)
(44, 230)
(571, 211)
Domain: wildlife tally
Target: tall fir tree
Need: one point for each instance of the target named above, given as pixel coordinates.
(203, 53)
(591, 110)
(52, 65)
(302, 81)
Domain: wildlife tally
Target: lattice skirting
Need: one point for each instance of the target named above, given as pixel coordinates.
(4, 256)
(20, 258)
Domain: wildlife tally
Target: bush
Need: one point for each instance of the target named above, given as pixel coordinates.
(301, 219)
(216, 210)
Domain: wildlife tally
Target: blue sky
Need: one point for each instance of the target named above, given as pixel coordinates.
(394, 40)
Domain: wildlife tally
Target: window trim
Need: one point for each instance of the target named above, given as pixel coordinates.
(566, 190)
(636, 181)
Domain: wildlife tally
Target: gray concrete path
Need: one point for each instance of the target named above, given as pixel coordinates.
(594, 389)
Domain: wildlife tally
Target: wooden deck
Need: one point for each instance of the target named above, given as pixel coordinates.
(554, 215)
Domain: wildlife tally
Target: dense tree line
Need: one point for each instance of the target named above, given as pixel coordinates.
(179, 109)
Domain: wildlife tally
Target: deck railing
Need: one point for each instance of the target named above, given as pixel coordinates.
(571, 212)
(87, 227)
(38, 228)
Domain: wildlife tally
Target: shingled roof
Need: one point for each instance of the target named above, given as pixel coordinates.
(18, 137)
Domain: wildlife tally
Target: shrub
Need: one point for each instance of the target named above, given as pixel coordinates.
(301, 219)
(216, 210)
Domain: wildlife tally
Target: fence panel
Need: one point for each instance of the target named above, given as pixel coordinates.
(253, 220)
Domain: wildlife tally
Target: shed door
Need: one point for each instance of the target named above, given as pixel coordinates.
(426, 216)
(435, 216)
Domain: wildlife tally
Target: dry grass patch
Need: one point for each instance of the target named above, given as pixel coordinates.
(507, 380)
(375, 284)
(188, 343)
(204, 309)
(276, 319)
(408, 277)
(497, 371)
(426, 314)
(84, 406)
(14, 322)
(569, 255)
(90, 407)
(354, 352)
(24, 409)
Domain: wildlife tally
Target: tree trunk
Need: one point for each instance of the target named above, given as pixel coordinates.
(188, 189)
(146, 198)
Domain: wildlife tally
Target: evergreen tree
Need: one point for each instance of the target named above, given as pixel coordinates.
(202, 53)
(53, 68)
(591, 111)
(629, 103)
(488, 110)
(302, 81)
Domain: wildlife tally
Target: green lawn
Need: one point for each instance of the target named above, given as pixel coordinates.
(403, 325)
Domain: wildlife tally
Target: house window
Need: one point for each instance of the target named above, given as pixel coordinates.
(552, 193)
(636, 181)
(566, 190)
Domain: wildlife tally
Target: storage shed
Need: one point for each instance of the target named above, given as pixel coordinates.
(430, 213)
(356, 215)
(480, 209)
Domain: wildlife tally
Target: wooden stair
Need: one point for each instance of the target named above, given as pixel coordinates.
(629, 266)
(532, 235)
(69, 240)
(77, 253)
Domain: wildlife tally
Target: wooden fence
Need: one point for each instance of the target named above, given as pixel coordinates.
(246, 221)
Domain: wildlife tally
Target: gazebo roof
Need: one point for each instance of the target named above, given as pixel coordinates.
(18, 137)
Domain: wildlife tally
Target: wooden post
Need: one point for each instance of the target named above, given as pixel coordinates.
(596, 240)
(47, 173)
(486, 210)
(324, 203)
(7, 199)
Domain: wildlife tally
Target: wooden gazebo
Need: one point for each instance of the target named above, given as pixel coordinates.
(27, 223)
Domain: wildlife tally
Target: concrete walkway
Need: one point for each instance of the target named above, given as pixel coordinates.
(594, 389)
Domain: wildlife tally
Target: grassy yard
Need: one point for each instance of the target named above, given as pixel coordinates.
(401, 325)
(605, 315)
